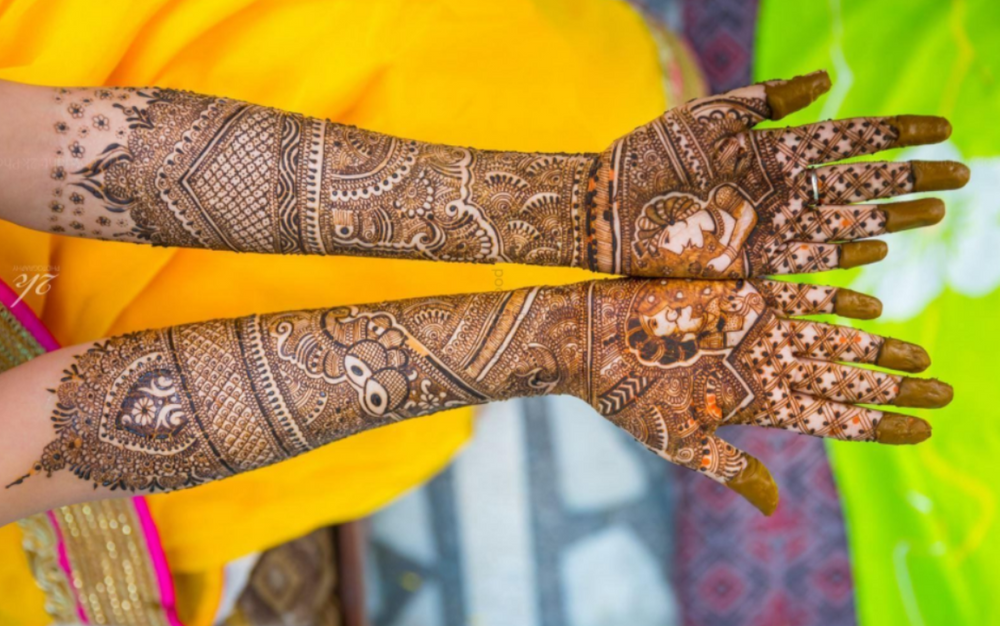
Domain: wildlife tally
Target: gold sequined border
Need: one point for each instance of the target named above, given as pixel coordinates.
(16, 344)
(41, 543)
(109, 563)
(110, 570)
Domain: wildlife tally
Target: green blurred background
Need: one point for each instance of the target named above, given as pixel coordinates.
(922, 522)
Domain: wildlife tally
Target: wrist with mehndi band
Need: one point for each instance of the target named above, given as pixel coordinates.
(669, 361)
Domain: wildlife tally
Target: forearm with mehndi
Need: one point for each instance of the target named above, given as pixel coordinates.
(168, 409)
(175, 168)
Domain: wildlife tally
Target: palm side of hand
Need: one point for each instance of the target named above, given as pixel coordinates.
(673, 360)
(699, 193)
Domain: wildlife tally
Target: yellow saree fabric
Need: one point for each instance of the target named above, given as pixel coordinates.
(549, 75)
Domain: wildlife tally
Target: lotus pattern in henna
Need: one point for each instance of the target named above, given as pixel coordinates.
(667, 360)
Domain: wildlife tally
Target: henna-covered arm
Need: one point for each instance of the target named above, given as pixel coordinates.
(697, 192)
(669, 361)
(175, 168)
(173, 408)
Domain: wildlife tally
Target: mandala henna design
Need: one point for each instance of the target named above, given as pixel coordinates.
(667, 360)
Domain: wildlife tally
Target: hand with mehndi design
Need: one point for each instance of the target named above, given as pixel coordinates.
(667, 360)
(674, 360)
(694, 193)
(699, 193)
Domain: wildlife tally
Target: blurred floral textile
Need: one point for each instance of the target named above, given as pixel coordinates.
(292, 584)
(384, 66)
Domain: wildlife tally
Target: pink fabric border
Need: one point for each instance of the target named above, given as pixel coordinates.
(168, 597)
(27, 318)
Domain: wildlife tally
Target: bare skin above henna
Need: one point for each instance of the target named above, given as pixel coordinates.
(667, 360)
(694, 193)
